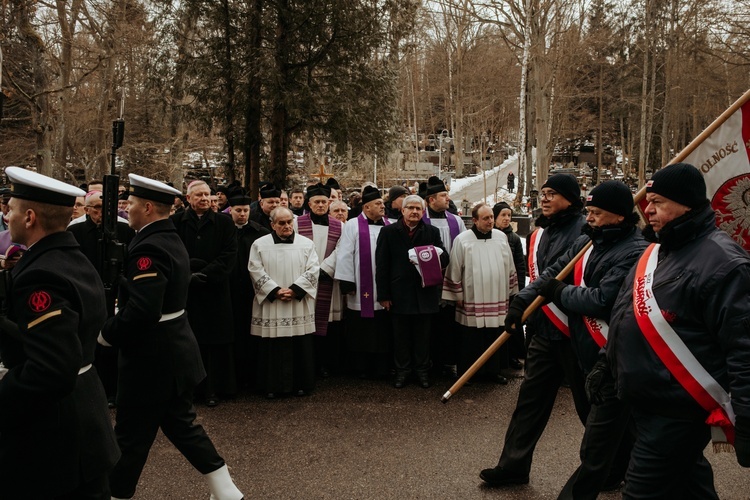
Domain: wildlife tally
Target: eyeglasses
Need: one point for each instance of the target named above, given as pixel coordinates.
(548, 195)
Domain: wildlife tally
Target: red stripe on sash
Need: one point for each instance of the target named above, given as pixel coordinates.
(678, 370)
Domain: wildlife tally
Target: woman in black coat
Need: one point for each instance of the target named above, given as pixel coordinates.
(516, 349)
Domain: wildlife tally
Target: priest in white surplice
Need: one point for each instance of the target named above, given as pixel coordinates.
(325, 232)
(444, 342)
(367, 325)
(481, 278)
(284, 269)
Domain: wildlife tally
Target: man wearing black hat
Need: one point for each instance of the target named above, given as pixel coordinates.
(56, 439)
(679, 342)
(445, 342)
(122, 205)
(396, 197)
(366, 321)
(270, 198)
(211, 242)
(325, 232)
(222, 194)
(605, 449)
(550, 357)
(160, 362)
(242, 291)
(515, 348)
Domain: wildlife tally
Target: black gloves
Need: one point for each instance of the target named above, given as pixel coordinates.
(595, 381)
(197, 264)
(513, 323)
(742, 440)
(552, 290)
(198, 279)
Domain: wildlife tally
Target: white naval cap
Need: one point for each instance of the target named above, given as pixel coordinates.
(143, 187)
(32, 186)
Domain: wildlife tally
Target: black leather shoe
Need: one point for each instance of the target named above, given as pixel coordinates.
(499, 379)
(515, 364)
(270, 395)
(498, 476)
(424, 382)
(212, 401)
(399, 382)
(612, 485)
(450, 371)
(301, 392)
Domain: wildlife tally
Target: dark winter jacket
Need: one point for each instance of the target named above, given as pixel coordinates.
(560, 231)
(211, 243)
(519, 259)
(397, 278)
(702, 286)
(616, 250)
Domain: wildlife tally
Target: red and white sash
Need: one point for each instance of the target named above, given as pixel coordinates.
(676, 356)
(553, 313)
(599, 329)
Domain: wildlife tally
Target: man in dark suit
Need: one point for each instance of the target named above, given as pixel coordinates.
(56, 438)
(211, 243)
(242, 290)
(160, 363)
(270, 198)
(409, 286)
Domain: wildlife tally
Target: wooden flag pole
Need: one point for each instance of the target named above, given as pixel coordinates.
(687, 150)
(571, 265)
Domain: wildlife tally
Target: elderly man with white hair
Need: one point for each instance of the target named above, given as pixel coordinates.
(211, 242)
(409, 260)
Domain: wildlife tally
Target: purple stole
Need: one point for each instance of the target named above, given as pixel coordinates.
(452, 223)
(325, 288)
(429, 265)
(366, 286)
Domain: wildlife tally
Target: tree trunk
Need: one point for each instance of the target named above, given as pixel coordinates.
(39, 105)
(229, 85)
(279, 113)
(67, 32)
(253, 135)
(644, 100)
(599, 131)
(524, 163)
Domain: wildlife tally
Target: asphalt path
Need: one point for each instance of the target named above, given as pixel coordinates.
(363, 439)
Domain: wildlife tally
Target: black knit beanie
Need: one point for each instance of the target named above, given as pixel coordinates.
(566, 185)
(612, 196)
(499, 207)
(680, 182)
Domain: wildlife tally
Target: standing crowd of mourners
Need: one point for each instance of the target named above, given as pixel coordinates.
(221, 293)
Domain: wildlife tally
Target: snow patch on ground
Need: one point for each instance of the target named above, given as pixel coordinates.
(459, 184)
